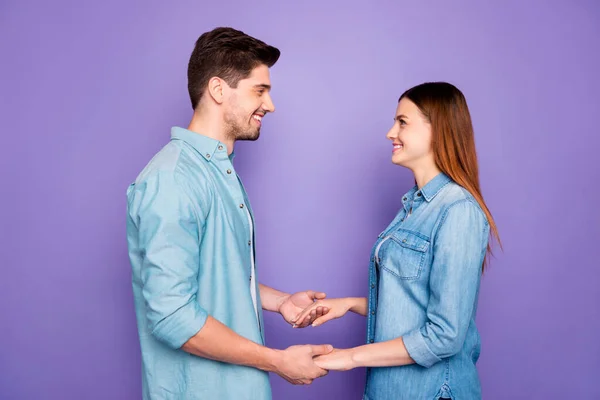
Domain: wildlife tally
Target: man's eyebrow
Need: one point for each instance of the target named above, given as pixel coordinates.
(263, 86)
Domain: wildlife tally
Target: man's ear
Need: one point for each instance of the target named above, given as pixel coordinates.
(216, 89)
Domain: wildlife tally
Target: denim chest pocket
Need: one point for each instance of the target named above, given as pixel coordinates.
(405, 254)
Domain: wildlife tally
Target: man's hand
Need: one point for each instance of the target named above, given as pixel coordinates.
(296, 364)
(292, 305)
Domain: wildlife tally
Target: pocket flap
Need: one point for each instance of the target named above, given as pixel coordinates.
(410, 240)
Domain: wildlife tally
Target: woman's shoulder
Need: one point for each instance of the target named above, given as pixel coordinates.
(456, 196)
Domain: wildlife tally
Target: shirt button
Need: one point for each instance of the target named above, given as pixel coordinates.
(404, 199)
(403, 240)
(402, 220)
(372, 341)
(229, 171)
(373, 312)
(372, 285)
(220, 147)
(208, 156)
(241, 206)
(249, 242)
(419, 194)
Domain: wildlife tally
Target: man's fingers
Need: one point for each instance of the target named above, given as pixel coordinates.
(315, 295)
(303, 321)
(300, 318)
(321, 349)
(319, 312)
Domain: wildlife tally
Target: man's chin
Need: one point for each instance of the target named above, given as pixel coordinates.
(251, 137)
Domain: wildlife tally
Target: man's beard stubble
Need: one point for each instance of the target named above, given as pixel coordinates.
(236, 132)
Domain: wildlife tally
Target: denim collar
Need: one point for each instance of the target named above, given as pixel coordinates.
(434, 186)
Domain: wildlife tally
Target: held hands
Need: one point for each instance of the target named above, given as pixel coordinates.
(296, 363)
(300, 365)
(322, 311)
(292, 305)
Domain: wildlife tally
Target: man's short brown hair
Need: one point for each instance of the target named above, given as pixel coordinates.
(228, 54)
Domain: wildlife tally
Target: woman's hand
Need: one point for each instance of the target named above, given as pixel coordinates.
(337, 360)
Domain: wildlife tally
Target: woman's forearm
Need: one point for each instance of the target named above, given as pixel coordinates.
(360, 305)
(385, 354)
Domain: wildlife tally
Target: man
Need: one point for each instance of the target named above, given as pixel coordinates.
(190, 232)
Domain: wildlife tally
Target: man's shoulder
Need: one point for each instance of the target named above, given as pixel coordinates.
(165, 162)
(174, 172)
(175, 162)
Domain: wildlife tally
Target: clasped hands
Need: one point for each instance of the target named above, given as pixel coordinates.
(312, 308)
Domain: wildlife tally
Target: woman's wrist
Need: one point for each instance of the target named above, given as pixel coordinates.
(358, 305)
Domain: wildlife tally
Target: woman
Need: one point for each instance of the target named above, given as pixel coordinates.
(426, 266)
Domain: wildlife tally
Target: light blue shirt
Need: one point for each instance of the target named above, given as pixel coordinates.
(424, 282)
(191, 246)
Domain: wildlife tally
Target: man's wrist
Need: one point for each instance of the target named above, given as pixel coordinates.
(280, 300)
(272, 360)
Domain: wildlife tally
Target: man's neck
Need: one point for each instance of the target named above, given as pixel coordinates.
(212, 128)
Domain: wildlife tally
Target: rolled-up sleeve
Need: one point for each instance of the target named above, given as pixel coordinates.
(169, 234)
(459, 248)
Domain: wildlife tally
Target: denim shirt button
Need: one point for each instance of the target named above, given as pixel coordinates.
(373, 312)
(372, 286)
(371, 341)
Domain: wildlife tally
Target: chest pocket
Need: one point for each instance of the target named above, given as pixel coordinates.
(405, 254)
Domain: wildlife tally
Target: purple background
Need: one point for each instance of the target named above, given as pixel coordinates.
(88, 93)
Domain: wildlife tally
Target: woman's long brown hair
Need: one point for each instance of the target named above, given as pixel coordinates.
(453, 141)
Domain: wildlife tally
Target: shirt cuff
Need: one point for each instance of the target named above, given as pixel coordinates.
(181, 326)
(418, 350)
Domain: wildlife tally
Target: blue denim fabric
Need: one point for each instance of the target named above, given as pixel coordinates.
(424, 280)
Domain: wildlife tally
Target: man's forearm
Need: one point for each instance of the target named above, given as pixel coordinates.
(217, 342)
(271, 298)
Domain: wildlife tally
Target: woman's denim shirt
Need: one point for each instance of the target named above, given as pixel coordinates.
(424, 279)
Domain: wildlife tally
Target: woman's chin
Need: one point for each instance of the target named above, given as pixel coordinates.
(398, 160)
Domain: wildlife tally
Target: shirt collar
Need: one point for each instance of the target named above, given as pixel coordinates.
(203, 144)
(434, 186)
